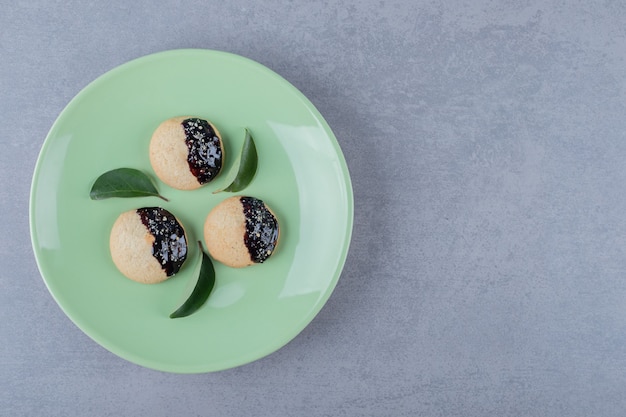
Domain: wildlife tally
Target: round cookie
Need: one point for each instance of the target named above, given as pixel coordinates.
(186, 152)
(241, 231)
(148, 245)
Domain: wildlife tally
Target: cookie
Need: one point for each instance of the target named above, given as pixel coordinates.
(148, 245)
(186, 152)
(241, 231)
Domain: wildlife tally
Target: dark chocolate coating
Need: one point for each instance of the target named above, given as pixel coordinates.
(261, 229)
(170, 244)
(205, 150)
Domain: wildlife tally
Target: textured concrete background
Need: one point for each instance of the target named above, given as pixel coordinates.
(487, 144)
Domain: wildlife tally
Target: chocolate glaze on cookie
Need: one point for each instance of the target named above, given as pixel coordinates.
(261, 233)
(169, 246)
(205, 150)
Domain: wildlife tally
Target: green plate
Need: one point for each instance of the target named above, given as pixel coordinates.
(302, 176)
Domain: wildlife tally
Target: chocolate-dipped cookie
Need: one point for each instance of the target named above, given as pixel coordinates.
(241, 231)
(186, 152)
(148, 245)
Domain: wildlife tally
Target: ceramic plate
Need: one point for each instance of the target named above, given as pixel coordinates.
(301, 175)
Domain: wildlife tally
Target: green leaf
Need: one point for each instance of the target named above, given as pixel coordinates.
(245, 165)
(200, 293)
(124, 182)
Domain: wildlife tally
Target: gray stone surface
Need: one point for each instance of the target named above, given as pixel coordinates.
(487, 144)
